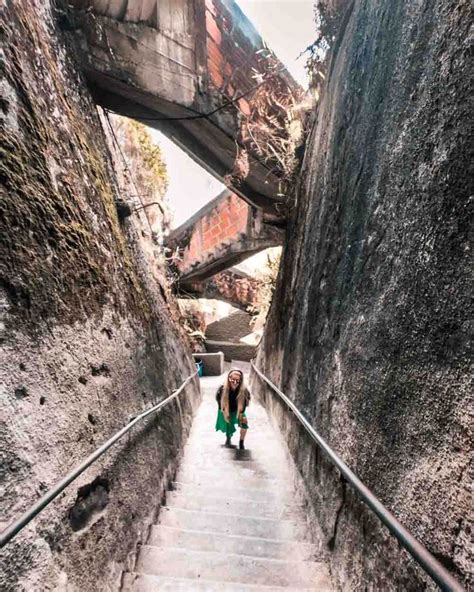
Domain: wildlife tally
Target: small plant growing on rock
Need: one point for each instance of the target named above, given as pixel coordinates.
(272, 129)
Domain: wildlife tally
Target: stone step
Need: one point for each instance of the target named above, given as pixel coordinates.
(209, 433)
(135, 582)
(213, 444)
(284, 530)
(235, 478)
(166, 536)
(211, 438)
(232, 350)
(243, 493)
(225, 567)
(243, 470)
(233, 505)
(217, 456)
(215, 452)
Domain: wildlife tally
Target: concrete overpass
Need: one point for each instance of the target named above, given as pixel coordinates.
(188, 68)
(221, 234)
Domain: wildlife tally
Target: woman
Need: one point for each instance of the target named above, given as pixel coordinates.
(233, 398)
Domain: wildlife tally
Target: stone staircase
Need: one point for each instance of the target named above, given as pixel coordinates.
(224, 335)
(233, 521)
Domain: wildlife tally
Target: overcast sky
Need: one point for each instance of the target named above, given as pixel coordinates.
(288, 28)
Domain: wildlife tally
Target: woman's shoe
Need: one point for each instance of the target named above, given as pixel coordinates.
(228, 443)
(241, 445)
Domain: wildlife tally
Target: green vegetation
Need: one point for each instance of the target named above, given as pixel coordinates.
(267, 276)
(149, 165)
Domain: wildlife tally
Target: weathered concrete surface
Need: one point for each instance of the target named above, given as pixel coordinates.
(222, 233)
(232, 286)
(235, 519)
(368, 331)
(169, 63)
(86, 324)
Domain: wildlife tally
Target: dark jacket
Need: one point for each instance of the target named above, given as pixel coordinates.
(232, 399)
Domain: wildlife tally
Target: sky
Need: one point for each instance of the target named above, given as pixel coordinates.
(288, 28)
(189, 186)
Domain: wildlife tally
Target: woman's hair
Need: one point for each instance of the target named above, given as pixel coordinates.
(243, 396)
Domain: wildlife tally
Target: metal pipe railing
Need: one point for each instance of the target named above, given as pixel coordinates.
(14, 528)
(421, 555)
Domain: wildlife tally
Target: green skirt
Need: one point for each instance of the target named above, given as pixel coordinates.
(229, 428)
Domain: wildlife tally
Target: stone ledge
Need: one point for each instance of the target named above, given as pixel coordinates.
(232, 351)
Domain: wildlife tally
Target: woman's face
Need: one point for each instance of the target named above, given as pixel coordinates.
(234, 380)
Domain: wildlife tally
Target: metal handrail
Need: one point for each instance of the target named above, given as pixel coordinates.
(421, 555)
(14, 528)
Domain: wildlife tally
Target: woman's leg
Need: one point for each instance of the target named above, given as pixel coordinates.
(228, 434)
(230, 428)
(243, 430)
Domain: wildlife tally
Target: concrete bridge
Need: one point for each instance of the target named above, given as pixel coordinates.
(224, 232)
(188, 68)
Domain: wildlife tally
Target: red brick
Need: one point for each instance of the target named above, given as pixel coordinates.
(216, 77)
(228, 69)
(212, 28)
(215, 62)
(210, 6)
(244, 106)
(214, 54)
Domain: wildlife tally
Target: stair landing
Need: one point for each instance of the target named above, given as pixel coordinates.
(234, 520)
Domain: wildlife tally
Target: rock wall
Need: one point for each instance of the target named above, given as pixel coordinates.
(232, 286)
(88, 336)
(368, 330)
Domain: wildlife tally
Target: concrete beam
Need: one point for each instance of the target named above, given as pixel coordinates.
(186, 67)
(223, 233)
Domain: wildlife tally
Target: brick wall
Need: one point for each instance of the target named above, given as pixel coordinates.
(232, 52)
(223, 224)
